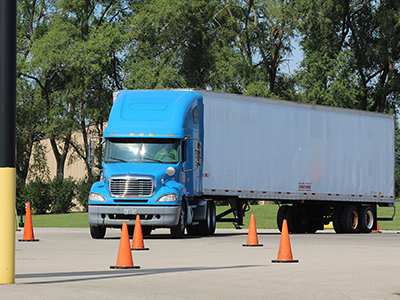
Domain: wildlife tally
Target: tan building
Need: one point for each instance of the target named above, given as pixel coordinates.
(77, 169)
(74, 165)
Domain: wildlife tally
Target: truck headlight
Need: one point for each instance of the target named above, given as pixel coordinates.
(167, 198)
(97, 197)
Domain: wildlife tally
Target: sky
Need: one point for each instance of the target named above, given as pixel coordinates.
(294, 59)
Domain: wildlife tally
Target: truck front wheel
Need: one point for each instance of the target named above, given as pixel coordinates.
(178, 231)
(146, 230)
(97, 232)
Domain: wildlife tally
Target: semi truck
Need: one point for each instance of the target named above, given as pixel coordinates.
(169, 155)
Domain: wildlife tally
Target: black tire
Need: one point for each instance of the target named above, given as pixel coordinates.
(146, 230)
(366, 219)
(294, 222)
(213, 217)
(178, 231)
(97, 232)
(350, 219)
(131, 229)
(337, 219)
(192, 230)
(207, 226)
(312, 226)
(282, 212)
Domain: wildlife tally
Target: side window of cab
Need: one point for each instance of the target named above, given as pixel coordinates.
(196, 115)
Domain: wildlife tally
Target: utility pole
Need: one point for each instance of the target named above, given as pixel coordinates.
(8, 71)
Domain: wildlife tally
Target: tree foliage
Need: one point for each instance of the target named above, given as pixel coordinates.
(32, 23)
(261, 32)
(74, 65)
(351, 49)
(170, 44)
(72, 55)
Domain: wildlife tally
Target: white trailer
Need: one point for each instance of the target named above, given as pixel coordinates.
(322, 163)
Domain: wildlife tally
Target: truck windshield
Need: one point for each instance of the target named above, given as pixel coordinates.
(129, 150)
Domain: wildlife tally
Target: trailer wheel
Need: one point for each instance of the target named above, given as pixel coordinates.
(282, 212)
(350, 219)
(337, 219)
(367, 219)
(97, 232)
(178, 231)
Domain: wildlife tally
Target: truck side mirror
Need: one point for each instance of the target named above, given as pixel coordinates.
(170, 171)
(92, 145)
(91, 152)
(96, 171)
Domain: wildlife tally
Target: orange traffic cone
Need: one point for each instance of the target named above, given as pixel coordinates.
(285, 251)
(124, 260)
(28, 230)
(252, 239)
(377, 228)
(137, 242)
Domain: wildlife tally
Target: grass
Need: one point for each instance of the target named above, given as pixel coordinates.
(265, 216)
(70, 220)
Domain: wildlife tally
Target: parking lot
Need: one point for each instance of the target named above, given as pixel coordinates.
(68, 264)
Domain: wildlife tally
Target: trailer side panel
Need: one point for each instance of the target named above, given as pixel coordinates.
(270, 149)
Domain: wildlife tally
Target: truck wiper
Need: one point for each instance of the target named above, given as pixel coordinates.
(152, 159)
(119, 159)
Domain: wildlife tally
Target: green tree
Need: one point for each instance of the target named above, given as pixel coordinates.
(228, 46)
(32, 23)
(260, 33)
(170, 44)
(76, 64)
(351, 49)
(98, 60)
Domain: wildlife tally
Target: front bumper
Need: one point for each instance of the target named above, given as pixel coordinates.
(153, 216)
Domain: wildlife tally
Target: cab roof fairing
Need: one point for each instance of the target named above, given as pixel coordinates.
(139, 113)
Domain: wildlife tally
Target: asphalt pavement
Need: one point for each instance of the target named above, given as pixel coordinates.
(68, 264)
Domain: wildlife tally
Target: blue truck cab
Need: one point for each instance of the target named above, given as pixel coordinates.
(152, 165)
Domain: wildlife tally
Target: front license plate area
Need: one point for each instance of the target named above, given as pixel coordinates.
(130, 211)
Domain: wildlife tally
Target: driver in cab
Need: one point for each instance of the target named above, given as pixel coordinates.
(167, 153)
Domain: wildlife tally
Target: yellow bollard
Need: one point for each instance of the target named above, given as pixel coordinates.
(7, 230)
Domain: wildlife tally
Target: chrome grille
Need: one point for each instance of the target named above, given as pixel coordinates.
(128, 186)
